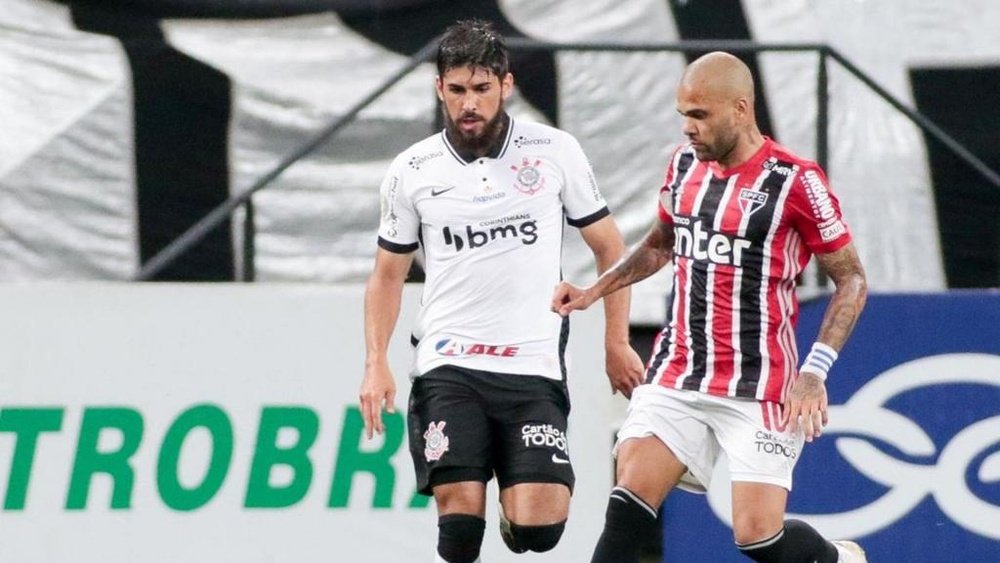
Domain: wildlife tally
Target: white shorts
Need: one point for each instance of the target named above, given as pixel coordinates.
(696, 426)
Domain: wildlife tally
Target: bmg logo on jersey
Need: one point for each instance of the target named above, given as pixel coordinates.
(515, 227)
(694, 241)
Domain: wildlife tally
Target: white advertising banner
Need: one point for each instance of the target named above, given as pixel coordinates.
(197, 423)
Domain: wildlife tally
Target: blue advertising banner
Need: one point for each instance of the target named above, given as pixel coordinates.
(909, 465)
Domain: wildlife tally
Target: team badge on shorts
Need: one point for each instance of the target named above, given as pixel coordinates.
(529, 179)
(435, 442)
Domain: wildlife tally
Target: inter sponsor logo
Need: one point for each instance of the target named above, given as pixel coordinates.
(694, 241)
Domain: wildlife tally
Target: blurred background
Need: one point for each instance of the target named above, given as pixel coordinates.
(232, 141)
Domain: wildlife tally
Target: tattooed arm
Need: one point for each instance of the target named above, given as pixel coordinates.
(806, 403)
(655, 250)
(844, 268)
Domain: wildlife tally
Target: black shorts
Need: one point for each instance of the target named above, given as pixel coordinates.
(467, 425)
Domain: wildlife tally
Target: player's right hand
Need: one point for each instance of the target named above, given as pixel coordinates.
(568, 298)
(624, 368)
(378, 391)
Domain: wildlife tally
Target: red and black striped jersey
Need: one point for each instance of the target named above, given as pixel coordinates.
(742, 237)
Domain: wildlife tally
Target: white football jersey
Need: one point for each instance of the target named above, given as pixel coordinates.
(491, 230)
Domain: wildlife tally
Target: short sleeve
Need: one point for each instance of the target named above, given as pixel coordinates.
(399, 226)
(581, 197)
(816, 212)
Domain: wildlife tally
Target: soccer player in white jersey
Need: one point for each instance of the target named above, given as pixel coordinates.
(487, 200)
(739, 216)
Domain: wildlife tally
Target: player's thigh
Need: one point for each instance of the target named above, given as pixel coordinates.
(758, 511)
(535, 504)
(449, 433)
(663, 443)
(648, 468)
(759, 448)
(529, 430)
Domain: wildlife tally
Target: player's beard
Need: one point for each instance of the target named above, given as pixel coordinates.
(471, 143)
(722, 147)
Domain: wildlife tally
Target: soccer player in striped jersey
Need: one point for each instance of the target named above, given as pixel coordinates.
(488, 199)
(740, 216)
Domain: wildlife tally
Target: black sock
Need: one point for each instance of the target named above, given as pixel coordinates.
(460, 536)
(627, 521)
(798, 542)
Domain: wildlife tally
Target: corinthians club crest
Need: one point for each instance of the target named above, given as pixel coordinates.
(435, 442)
(529, 179)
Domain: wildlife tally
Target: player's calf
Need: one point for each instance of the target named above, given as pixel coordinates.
(627, 521)
(797, 542)
(460, 537)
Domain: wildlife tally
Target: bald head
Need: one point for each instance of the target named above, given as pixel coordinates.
(715, 97)
(719, 75)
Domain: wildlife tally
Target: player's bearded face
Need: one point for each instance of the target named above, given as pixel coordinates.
(473, 102)
(710, 124)
(716, 142)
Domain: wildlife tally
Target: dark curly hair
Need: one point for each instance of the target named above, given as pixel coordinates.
(475, 43)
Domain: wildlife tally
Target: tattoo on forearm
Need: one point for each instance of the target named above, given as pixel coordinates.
(844, 268)
(647, 258)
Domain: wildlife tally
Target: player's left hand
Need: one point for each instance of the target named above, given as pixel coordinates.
(624, 367)
(806, 405)
(567, 298)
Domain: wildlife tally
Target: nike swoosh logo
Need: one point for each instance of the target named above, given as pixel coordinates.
(557, 459)
(436, 192)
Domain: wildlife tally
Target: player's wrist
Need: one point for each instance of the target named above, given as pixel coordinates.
(376, 361)
(616, 341)
(819, 361)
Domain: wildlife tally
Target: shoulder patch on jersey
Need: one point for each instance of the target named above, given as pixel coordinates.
(830, 226)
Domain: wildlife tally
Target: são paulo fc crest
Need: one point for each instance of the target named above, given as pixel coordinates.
(751, 200)
(435, 442)
(529, 179)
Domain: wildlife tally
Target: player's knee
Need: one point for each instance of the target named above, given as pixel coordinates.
(460, 537)
(749, 528)
(751, 532)
(533, 538)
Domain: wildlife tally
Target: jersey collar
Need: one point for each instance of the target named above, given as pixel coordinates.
(496, 151)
